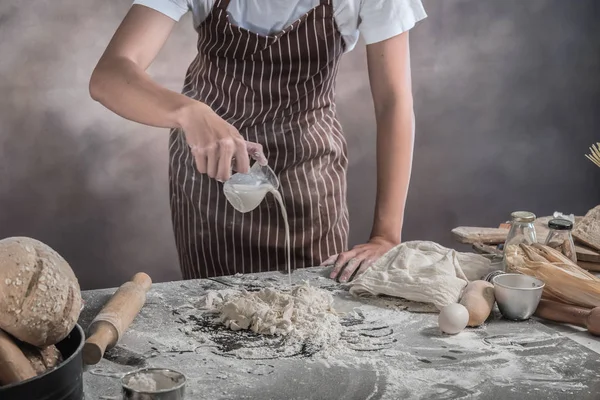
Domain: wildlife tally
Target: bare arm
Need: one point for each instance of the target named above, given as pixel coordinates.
(120, 81)
(121, 84)
(390, 78)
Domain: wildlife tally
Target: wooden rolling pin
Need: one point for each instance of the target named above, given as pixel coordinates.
(14, 366)
(568, 314)
(116, 316)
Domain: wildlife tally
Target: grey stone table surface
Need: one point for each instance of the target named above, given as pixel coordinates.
(384, 352)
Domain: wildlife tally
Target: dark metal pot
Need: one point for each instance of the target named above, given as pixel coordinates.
(65, 382)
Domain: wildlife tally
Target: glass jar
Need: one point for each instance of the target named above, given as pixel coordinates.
(559, 237)
(521, 231)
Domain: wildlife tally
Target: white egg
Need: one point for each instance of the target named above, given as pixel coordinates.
(453, 318)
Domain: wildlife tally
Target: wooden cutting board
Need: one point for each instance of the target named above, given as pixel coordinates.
(471, 234)
(595, 267)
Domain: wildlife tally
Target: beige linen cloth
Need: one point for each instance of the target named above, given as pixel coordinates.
(422, 271)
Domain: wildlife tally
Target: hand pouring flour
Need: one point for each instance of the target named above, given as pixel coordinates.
(246, 191)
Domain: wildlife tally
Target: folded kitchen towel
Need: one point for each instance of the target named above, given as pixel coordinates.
(421, 271)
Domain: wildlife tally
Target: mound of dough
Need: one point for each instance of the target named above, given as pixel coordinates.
(305, 310)
(40, 299)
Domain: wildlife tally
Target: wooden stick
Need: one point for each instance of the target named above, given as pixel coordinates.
(116, 316)
(14, 366)
(471, 234)
(486, 249)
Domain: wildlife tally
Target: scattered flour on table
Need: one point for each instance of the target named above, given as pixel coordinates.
(305, 312)
(415, 360)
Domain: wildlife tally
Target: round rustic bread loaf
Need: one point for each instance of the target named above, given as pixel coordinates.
(40, 299)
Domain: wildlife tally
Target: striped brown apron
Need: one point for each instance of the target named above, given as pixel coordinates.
(278, 91)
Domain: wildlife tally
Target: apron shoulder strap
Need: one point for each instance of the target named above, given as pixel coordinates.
(325, 2)
(222, 4)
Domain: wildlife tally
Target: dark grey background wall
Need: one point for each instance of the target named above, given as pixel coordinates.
(507, 98)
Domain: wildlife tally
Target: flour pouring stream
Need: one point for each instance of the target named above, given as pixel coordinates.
(246, 191)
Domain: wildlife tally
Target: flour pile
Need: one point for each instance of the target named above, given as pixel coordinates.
(304, 313)
(142, 383)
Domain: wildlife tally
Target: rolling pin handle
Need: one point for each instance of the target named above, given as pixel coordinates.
(569, 314)
(593, 322)
(104, 337)
(143, 280)
(114, 318)
(563, 313)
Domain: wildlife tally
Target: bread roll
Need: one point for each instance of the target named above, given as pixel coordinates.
(41, 360)
(40, 299)
(478, 297)
(14, 365)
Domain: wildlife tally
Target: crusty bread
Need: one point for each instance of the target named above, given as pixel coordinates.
(40, 299)
(14, 365)
(41, 360)
(588, 230)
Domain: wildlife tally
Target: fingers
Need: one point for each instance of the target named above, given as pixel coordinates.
(226, 149)
(329, 261)
(218, 160)
(340, 262)
(351, 264)
(349, 269)
(242, 161)
(201, 159)
(218, 148)
(212, 161)
(255, 150)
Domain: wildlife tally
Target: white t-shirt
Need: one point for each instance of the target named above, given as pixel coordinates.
(376, 20)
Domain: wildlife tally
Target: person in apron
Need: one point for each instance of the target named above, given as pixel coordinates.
(262, 87)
